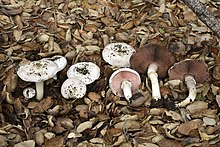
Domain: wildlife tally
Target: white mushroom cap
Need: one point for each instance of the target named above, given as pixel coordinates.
(118, 54)
(87, 72)
(59, 60)
(73, 88)
(37, 71)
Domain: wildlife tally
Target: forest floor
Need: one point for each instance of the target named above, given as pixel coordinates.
(79, 30)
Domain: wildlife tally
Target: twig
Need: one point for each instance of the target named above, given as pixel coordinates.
(204, 15)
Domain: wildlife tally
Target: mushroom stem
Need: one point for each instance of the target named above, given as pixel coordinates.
(126, 87)
(153, 76)
(39, 90)
(191, 85)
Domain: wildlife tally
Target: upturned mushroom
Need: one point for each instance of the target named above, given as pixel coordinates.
(87, 72)
(29, 93)
(38, 72)
(118, 54)
(73, 88)
(154, 60)
(191, 72)
(124, 81)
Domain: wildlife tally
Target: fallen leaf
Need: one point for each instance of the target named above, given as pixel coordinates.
(83, 126)
(28, 143)
(43, 105)
(169, 143)
(218, 100)
(54, 142)
(185, 128)
(197, 106)
(208, 121)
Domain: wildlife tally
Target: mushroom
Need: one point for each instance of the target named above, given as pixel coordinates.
(155, 60)
(73, 88)
(29, 93)
(191, 72)
(87, 72)
(118, 54)
(59, 60)
(38, 72)
(124, 81)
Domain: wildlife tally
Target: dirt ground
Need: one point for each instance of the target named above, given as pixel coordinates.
(79, 30)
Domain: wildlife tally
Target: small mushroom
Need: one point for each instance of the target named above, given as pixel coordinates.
(118, 54)
(191, 72)
(38, 72)
(87, 72)
(29, 92)
(73, 88)
(59, 60)
(124, 81)
(155, 60)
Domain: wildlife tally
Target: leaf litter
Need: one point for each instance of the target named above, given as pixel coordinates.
(79, 30)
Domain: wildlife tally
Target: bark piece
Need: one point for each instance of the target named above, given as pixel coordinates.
(204, 15)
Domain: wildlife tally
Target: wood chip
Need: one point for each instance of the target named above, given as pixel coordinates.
(185, 128)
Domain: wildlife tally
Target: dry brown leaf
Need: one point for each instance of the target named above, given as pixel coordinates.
(83, 126)
(187, 127)
(208, 121)
(128, 25)
(147, 145)
(53, 142)
(10, 80)
(97, 140)
(128, 124)
(174, 115)
(12, 11)
(31, 46)
(218, 100)
(189, 15)
(43, 105)
(169, 143)
(39, 137)
(3, 141)
(94, 96)
(17, 34)
(28, 143)
(197, 107)
(216, 72)
(4, 20)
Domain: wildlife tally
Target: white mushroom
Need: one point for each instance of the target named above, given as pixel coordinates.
(59, 60)
(87, 72)
(118, 54)
(38, 72)
(29, 92)
(73, 88)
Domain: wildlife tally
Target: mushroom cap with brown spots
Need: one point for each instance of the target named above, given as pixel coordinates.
(37, 71)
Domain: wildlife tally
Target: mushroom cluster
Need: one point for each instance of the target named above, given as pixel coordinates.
(40, 71)
(156, 61)
(124, 81)
(79, 75)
